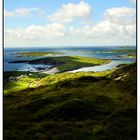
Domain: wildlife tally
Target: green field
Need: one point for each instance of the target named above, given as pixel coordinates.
(71, 106)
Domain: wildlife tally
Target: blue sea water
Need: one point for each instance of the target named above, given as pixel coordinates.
(95, 52)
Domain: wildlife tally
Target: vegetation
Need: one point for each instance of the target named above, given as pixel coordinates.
(76, 62)
(117, 51)
(72, 106)
(17, 81)
(67, 63)
(133, 55)
(123, 51)
(31, 54)
(40, 79)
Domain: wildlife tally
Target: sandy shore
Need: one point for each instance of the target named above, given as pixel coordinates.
(51, 71)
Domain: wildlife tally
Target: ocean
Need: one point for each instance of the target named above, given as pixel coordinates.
(95, 52)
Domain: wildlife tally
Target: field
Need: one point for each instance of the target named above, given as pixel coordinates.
(71, 106)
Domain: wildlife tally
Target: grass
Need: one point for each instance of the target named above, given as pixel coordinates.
(67, 63)
(123, 51)
(129, 53)
(117, 51)
(76, 62)
(32, 54)
(74, 106)
(27, 80)
(132, 55)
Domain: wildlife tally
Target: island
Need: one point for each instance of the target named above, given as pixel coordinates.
(35, 54)
(132, 55)
(66, 63)
(116, 51)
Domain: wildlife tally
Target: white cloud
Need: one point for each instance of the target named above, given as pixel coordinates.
(101, 33)
(105, 29)
(118, 22)
(22, 12)
(117, 27)
(70, 11)
(34, 32)
(121, 15)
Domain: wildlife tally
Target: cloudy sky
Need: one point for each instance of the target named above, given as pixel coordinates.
(34, 23)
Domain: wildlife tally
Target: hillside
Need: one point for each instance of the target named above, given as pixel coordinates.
(71, 106)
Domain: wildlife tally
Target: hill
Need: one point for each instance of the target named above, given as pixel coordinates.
(72, 106)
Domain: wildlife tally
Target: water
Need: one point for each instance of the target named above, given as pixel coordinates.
(104, 67)
(95, 52)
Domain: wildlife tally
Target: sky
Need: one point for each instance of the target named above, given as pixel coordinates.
(63, 23)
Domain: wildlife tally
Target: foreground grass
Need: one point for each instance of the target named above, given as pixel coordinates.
(74, 106)
(21, 80)
(40, 79)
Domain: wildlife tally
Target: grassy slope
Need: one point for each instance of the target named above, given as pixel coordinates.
(66, 63)
(76, 62)
(27, 81)
(80, 106)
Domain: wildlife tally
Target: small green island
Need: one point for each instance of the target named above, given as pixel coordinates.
(32, 54)
(117, 51)
(123, 51)
(132, 55)
(129, 53)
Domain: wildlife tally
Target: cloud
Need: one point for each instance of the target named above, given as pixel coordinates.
(22, 12)
(117, 27)
(111, 30)
(105, 29)
(34, 32)
(70, 12)
(118, 22)
(121, 15)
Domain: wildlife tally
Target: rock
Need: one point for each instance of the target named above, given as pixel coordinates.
(118, 78)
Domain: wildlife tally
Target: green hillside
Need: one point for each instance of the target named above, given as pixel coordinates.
(71, 106)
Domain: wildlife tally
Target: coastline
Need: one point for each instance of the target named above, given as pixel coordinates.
(63, 64)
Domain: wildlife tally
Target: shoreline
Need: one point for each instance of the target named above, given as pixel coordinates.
(63, 63)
